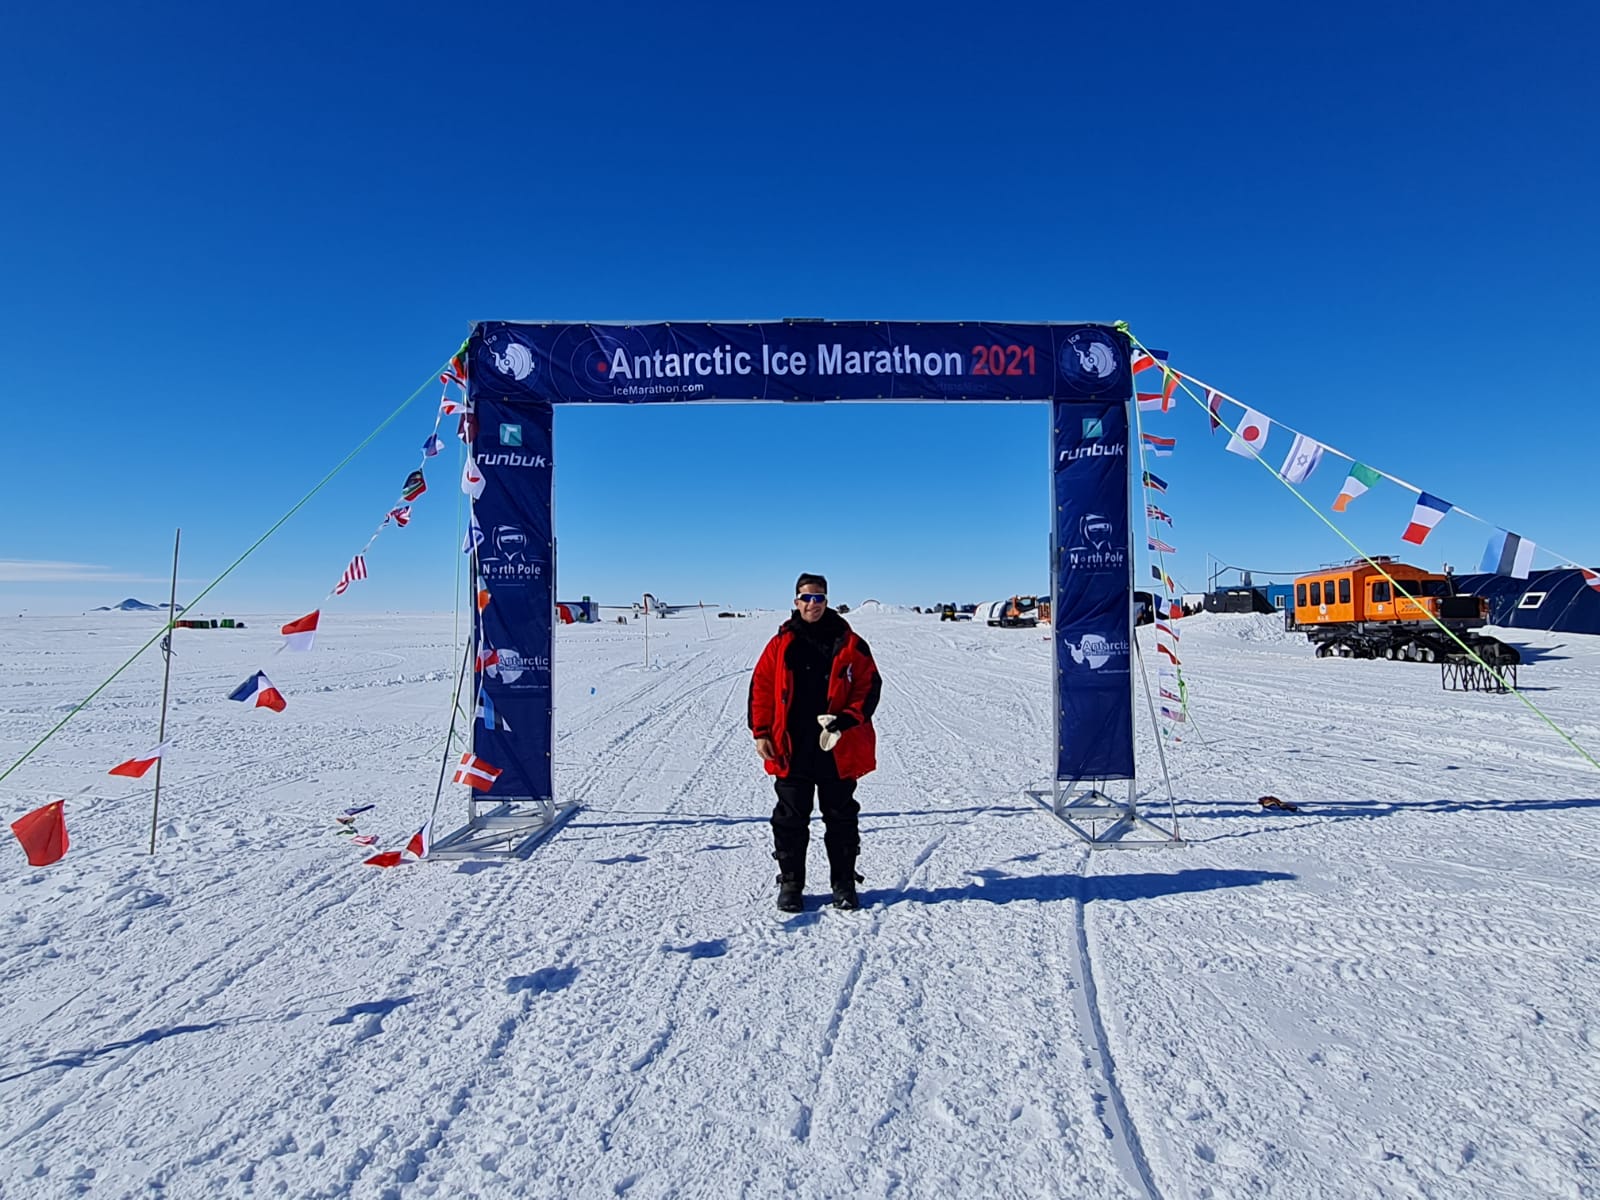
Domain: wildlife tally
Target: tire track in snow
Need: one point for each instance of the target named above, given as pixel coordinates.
(1112, 1105)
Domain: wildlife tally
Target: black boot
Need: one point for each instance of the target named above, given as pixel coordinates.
(791, 893)
(844, 893)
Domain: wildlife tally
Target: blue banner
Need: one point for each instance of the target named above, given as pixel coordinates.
(1091, 611)
(513, 725)
(799, 360)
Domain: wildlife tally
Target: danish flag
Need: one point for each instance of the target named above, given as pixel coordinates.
(475, 773)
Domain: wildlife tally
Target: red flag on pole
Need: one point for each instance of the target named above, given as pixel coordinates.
(43, 834)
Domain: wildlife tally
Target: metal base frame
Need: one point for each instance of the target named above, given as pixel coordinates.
(511, 828)
(1103, 822)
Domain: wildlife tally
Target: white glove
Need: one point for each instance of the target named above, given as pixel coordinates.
(829, 737)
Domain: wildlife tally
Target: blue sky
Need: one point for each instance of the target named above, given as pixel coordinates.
(233, 244)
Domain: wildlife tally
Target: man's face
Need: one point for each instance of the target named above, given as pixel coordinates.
(812, 603)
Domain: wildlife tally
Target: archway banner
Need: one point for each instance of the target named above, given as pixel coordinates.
(517, 372)
(798, 361)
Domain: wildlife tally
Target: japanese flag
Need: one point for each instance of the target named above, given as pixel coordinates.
(1250, 438)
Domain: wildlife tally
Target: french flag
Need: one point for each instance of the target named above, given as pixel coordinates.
(135, 768)
(1429, 512)
(259, 688)
(298, 635)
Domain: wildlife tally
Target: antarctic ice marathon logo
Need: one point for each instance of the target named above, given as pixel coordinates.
(516, 360)
(1094, 651)
(509, 666)
(1088, 359)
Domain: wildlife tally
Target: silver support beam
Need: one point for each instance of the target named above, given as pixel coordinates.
(1103, 822)
(513, 829)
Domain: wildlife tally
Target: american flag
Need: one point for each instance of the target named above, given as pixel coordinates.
(1161, 547)
(356, 570)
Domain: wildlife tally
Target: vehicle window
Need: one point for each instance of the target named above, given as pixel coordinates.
(1344, 591)
(1327, 591)
(1435, 587)
(1380, 591)
(1300, 594)
(1405, 587)
(1316, 592)
(1531, 599)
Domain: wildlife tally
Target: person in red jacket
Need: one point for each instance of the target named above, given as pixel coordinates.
(812, 697)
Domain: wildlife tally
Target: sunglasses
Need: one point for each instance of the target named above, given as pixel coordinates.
(812, 597)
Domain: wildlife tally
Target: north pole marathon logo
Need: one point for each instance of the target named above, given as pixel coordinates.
(507, 561)
(1097, 546)
(1088, 358)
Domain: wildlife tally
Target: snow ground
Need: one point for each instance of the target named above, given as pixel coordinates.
(1390, 993)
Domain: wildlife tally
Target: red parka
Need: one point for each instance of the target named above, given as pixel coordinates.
(853, 689)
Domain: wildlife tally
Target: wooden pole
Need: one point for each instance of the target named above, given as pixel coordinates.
(166, 678)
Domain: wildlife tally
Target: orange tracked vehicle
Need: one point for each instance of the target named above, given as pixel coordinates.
(1352, 611)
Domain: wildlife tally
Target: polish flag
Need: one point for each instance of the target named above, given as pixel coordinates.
(389, 858)
(298, 635)
(43, 834)
(1251, 436)
(135, 768)
(449, 407)
(259, 688)
(1430, 510)
(475, 773)
(417, 848)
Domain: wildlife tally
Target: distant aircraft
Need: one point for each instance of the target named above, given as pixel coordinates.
(659, 608)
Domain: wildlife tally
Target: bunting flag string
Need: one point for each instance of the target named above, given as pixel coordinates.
(1249, 435)
(1168, 608)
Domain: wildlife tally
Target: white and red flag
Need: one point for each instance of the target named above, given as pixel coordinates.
(417, 847)
(475, 773)
(487, 657)
(1250, 434)
(472, 478)
(389, 858)
(356, 570)
(135, 768)
(300, 634)
(1590, 578)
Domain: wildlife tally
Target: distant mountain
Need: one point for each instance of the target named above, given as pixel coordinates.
(131, 605)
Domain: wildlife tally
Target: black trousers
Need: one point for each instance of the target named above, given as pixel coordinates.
(791, 825)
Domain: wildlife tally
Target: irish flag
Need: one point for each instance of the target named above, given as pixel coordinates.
(1429, 512)
(1358, 481)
